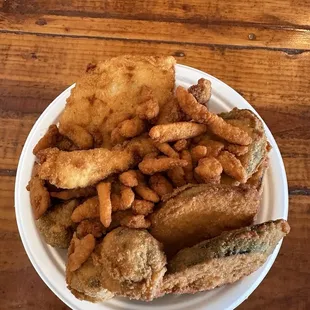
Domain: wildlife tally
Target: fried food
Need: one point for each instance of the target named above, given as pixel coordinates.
(170, 112)
(160, 184)
(39, 196)
(213, 147)
(209, 170)
(79, 251)
(149, 107)
(142, 207)
(75, 193)
(256, 180)
(135, 221)
(223, 259)
(199, 113)
(133, 263)
(127, 197)
(81, 168)
(85, 283)
(56, 225)
(167, 149)
(211, 208)
(129, 178)
(198, 152)
(91, 226)
(105, 206)
(144, 191)
(249, 122)
(133, 127)
(232, 166)
(110, 92)
(188, 169)
(237, 150)
(177, 176)
(176, 131)
(48, 140)
(87, 210)
(78, 135)
(201, 91)
(150, 166)
(180, 145)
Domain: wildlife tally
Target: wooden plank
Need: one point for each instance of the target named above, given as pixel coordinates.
(194, 33)
(287, 283)
(274, 12)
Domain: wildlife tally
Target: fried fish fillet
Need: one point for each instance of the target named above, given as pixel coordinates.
(199, 212)
(257, 150)
(109, 93)
(223, 259)
(82, 168)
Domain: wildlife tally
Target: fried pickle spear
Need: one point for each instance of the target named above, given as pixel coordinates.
(199, 113)
(176, 131)
(82, 168)
(152, 165)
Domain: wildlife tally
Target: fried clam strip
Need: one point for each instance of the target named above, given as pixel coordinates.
(82, 168)
(232, 166)
(177, 176)
(144, 191)
(176, 131)
(79, 251)
(75, 193)
(87, 210)
(209, 170)
(201, 91)
(48, 140)
(167, 149)
(180, 145)
(160, 184)
(223, 259)
(105, 205)
(149, 107)
(199, 113)
(129, 178)
(152, 165)
(188, 169)
(91, 226)
(198, 152)
(39, 196)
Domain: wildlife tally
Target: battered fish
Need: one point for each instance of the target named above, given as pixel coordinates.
(109, 93)
(198, 212)
(224, 259)
(82, 168)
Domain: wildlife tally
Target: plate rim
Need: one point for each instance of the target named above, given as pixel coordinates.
(17, 197)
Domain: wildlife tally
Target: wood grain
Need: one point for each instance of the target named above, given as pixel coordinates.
(293, 13)
(171, 32)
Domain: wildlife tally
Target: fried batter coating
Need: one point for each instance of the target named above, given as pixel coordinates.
(39, 196)
(198, 152)
(127, 197)
(56, 225)
(180, 145)
(232, 166)
(201, 91)
(160, 184)
(79, 251)
(176, 131)
(48, 140)
(211, 208)
(142, 207)
(105, 206)
(144, 191)
(152, 165)
(167, 149)
(91, 226)
(78, 135)
(223, 259)
(149, 107)
(214, 147)
(87, 210)
(177, 176)
(209, 170)
(188, 169)
(129, 178)
(75, 193)
(133, 263)
(216, 124)
(170, 112)
(82, 168)
(237, 150)
(135, 221)
(132, 127)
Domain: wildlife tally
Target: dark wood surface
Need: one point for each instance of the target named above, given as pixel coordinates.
(260, 48)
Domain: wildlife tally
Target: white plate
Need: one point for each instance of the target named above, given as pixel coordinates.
(50, 263)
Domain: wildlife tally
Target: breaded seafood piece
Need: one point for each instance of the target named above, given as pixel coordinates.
(257, 150)
(109, 92)
(223, 259)
(85, 283)
(82, 168)
(56, 225)
(133, 263)
(203, 211)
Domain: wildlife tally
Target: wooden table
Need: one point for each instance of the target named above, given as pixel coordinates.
(260, 48)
